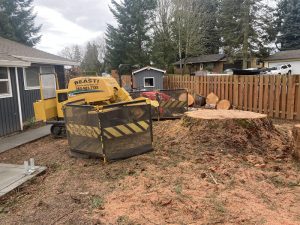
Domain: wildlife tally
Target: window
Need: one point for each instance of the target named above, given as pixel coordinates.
(5, 83)
(47, 70)
(149, 82)
(48, 84)
(31, 78)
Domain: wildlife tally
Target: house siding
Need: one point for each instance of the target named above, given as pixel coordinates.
(9, 107)
(139, 79)
(28, 97)
(60, 71)
(9, 112)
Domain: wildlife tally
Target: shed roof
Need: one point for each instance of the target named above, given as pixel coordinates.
(283, 55)
(31, 55)
(148, 68)
(203, 59)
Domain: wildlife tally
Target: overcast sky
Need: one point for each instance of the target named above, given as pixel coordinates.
(68, 22)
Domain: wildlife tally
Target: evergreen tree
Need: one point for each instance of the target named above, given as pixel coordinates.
(208, 35)
(90, 62)
(77, 54)
(17, 21)
(243, 26)
(130, 41)
(288, 24)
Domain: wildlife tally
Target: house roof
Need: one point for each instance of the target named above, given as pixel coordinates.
(7, 60)
(283, 55)
(30, 55)
(203, 59)
(148, 68)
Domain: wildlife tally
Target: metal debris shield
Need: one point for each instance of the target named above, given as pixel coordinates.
(116, 132)
(172, 103)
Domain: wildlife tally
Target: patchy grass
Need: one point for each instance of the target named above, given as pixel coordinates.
(97, 202)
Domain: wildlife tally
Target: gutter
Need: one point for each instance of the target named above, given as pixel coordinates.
(48, 61)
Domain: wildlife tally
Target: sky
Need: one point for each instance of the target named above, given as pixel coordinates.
(69, 22)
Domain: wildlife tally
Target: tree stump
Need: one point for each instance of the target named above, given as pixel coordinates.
(238, 130)
(296, 134)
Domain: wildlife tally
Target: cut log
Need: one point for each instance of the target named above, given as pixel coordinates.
(296, 134)
(212, 99)
(200, 100)
(223, 105)
(191, 99)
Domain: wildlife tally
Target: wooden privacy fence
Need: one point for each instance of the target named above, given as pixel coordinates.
(276, 95)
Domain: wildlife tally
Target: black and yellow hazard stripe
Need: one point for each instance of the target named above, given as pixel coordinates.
(84, 131)
(126, 129)
(173, 104)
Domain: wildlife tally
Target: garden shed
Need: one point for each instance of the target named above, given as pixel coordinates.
(148, 78)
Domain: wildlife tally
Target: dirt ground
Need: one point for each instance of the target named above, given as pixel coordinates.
(187, 179)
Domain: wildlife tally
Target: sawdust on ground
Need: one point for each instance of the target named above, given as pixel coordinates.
(190, 178)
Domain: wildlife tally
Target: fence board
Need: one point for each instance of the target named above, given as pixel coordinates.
(246, 93)
(283, 97)
(236, 91)
(277, 96)
(226, 87)
(261, 94)
(297, 101)
(231, 89)
(266, 94)
(271, 98)
(250, 97)
(291, 97)
(219, 87)
(241, 92)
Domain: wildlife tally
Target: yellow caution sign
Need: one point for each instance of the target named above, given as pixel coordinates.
(109, 132)
(126, 129)
(84, 131)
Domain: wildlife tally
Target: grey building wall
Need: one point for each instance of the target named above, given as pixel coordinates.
(139, 79)
(60, 71)
(28, 97)
(9, 112)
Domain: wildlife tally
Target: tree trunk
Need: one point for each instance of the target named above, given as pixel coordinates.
(246, 33)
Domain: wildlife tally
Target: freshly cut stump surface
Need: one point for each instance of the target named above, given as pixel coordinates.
(206, 114)
(241, 131)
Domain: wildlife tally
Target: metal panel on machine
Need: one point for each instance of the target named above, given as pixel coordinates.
(115, 132)
(172, 103)
(127, 130)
